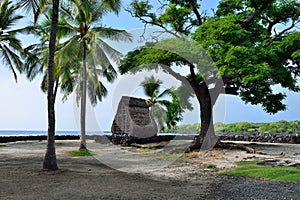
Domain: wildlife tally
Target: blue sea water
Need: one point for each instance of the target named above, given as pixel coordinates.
(5, 133)
(36, 133)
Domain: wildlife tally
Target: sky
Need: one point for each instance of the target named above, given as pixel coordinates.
(23, 106)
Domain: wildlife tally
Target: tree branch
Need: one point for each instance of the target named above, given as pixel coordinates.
(256, 12)
(281, 33)
(178, 76)
(195, 10)
(152, 22)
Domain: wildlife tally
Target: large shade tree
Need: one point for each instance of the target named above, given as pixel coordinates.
(253, 43)
(10, 46)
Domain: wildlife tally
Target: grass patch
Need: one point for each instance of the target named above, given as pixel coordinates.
(210, 166)
(3, 145)
(165, 155)
(82, 152)
(149, 149)
(251, 169)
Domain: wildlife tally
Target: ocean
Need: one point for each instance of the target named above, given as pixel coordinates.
(37, 133)
(5, 133)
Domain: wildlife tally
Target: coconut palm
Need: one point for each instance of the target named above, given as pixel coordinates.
(66, 64)
(10, 46)
(38, 6)
(158, 106)
(83, 19)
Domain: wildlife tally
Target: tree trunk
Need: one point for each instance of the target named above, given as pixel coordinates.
(206, 139)
(49, 162)
(83, 101)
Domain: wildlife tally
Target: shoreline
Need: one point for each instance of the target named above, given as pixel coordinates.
(254, 137)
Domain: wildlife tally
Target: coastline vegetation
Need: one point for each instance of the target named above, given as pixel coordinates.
(281, 126)
(251, 169)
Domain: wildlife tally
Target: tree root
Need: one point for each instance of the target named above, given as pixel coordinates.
(197, 145)
(235, 146)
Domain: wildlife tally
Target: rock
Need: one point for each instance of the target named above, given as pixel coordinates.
(294, 165)
(277, 163)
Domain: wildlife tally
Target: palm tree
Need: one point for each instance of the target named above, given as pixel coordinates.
(10, 46)
(88, 37)
(65, 72)
(38, 6)
(50, 162)
(159, 107)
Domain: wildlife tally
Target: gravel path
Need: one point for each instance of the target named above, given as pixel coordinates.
(21, 177)
(231, 187)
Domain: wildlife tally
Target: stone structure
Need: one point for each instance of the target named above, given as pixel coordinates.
(261, 137)
(132, 120)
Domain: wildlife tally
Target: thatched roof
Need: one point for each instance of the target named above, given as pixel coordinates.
(134, 102)
(133, 118)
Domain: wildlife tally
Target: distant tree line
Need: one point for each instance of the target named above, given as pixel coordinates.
(242, 127)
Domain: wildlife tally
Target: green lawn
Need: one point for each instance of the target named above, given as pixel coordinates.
(251, 169)
(83, 152)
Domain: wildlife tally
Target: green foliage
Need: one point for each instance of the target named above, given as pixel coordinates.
(280, 127)
(242, 127)
(163, 110)
(251, 169)
(82, 153)
(3, 145)
(174, 110)
(166, 155)
(149, 148)
(210, 166)
(272, 127)
(249, 53)
(10, 46)
(240, 39)
(185, 128)
(175, 16)
(151, 86)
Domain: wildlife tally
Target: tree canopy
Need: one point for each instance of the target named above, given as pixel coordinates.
(254, 45)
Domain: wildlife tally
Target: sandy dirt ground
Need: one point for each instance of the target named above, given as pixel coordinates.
(117, 172)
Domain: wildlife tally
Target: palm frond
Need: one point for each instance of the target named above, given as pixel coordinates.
(151, 86)
(112, 34)
(165, 103)
(15, 59)
(8, 16)
(164, 93)
(112, 5)
(44, 83)
(7, 60)
(37, 7)
(33, 61)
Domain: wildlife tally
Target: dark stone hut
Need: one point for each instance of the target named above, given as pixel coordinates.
(132, 120)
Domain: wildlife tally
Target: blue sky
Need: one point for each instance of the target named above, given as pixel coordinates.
(23, 105)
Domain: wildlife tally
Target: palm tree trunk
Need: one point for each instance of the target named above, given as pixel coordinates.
(50, 156)
(83, 101)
